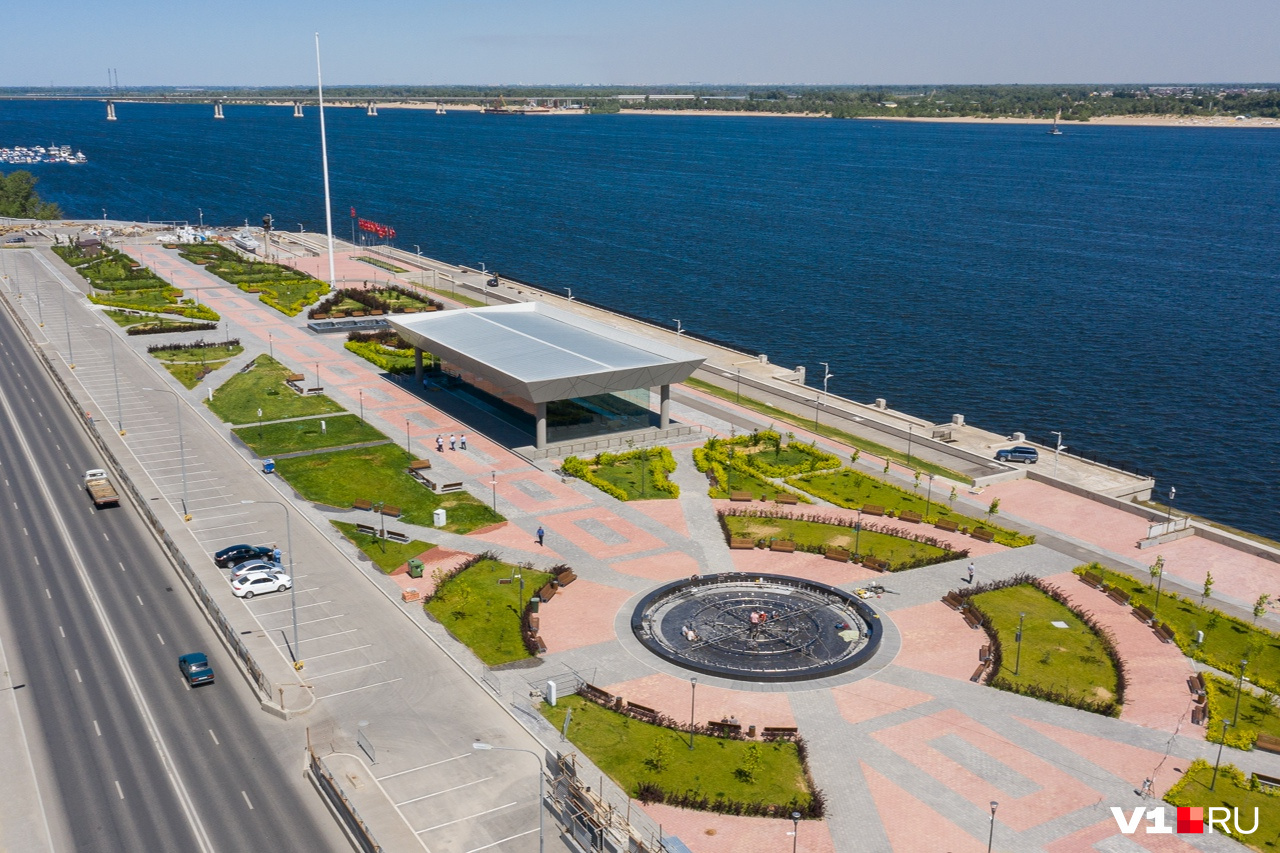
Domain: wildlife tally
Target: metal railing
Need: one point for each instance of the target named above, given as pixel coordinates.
(346, 810)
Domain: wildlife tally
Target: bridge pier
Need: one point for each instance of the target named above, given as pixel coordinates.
(297, 109)
(217, 110)
(372, 109)
(111, 111)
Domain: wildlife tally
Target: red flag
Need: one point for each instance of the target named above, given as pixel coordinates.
(353, 213)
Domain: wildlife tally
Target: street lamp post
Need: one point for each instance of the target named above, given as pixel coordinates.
(1173, 490)
(361, 393)
(795, 830)
(271, 347)
(693, 696)
(541, 805)
(1219, 758)
(201, 210)
(406, 436)
(1058, 448)
(115, 374)
(991, 835)
(857, 536)
(928, 501)
(1235, 718)
(910, 435)
(293, 585)
(182, 447)
(66, 321)
(493, 481)
(1017, 663)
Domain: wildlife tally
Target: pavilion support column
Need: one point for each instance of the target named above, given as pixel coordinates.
(664, 406)
(417, 366)
(541, 429)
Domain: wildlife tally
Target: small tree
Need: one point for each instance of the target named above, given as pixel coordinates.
(994, 509)
(1208, 586)
(1260, 607)
(750, 763)
(660, 757)
(951, 499)
(886, 464)
(917, 483)
(1157, 569)
(853, 457)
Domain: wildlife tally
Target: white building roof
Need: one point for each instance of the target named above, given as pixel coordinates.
(542, 354)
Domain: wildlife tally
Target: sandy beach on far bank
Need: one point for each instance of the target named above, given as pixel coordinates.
(1130, 121)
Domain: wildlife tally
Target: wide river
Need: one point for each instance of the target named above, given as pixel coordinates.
(1117, 284)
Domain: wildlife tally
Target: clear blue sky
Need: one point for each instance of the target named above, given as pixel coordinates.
(236, 42)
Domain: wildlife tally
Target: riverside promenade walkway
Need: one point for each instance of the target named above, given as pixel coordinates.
(909, 754)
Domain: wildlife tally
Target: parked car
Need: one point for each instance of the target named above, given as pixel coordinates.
(195, 668)
(249, 566)
(247, 586)
(234, 555)
(1026, 455)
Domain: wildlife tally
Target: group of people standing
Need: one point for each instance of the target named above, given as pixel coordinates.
(454, 442)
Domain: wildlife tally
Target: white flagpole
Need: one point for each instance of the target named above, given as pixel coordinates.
(324, 159)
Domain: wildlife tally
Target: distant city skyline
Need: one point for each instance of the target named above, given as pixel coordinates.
(573, 42)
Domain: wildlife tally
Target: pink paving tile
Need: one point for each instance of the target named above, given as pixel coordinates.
(671, 695)
(436, 558)
(911, 824)
(936, 639)
(581, 614)
(1156, 694)
(1241, 575)
(561, 495)
(1058, 793)
(867, 699)
(1127, 762)
(706, 832)
(513, 536)
(812, 567)
(670, 514)
(1089, 837)
(565, 525)
(660, 567)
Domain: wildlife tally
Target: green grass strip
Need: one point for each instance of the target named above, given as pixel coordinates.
(484, 615)
(387, 556)
(1234, 791)
(263, 387)
(310, 434)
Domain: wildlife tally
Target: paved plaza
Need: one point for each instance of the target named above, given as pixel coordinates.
(908, 751)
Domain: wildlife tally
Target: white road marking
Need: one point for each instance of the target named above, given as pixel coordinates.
(425, 766)
(354, 689)
(325, 637)
(246, 800)
(119, 790)
(502, 841)
(343, 671)
(78, 678)
(37, 559)
(48, 594)
(445, 791)
(62, 632)
(121, 567)
(139, 599)
(461, 819)
(215, 738)
(106, 537)
(161, 639)
(342, 652)
(96, 728)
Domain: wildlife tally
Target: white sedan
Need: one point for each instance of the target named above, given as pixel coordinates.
(249, 585)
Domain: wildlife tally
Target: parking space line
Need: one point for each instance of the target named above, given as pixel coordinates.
(503, 840)
(445, 791)
(355, 689)
(343, 652)
(425, 766)
(461, 819)
(307, 622)
(344, 671)
(312, 639)
(289, 609)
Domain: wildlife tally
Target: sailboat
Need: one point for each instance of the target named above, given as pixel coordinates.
(1053, 131)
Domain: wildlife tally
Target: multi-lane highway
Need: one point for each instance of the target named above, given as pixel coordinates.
(92, 620)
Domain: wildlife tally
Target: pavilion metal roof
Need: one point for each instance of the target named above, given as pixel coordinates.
(541, 353)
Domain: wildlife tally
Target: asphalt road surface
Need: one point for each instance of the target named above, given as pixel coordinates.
(92, 621)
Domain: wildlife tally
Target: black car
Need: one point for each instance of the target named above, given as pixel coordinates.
(234, 555)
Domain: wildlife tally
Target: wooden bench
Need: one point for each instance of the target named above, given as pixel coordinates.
(535, 620)
(1267, 743)
(362, 504)
(317, 390)
(786, 498)
(539, 644)
(977, 673)
(645, 713)
(840, 555)
(779, 731)
(913, 517)
(295, 377)
(1118, 595)
(875, 565)
(740, 497)
(595, 693)
(397, 536)
(741, 544)
(367, 529)
(1262, 780)
(1199, 714)
(566, 578)
(984, 653)
(972, 618)
(1164, 632)
(954, 600)
(1143, 614)
(1091, 579)
(419, 465)
(947, 525)
(782, 545)
(1195, 683)
(982, 534)
(724, 729)
(390, 511)
(872, 509)
(547, 592)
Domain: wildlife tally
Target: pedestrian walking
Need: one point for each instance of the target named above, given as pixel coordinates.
(453, 441)
(971, 573)
(439, 444)
(541, 534)
(276, 555)
(462, 442)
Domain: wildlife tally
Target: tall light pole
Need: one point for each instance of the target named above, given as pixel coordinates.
(293, 586)
(1017, 663)
(201, 210)
(857, 536)
(1159, 586)
(693, 698)
(406, 437)
(1173, 490)
(66, 321)
(361, 392)
(493, 481)
(1219, 758)
(182, 447)
(928, 501)
(538, 758)
(1058, 448)
(1235, 718)
(795, 830)
(991, 835)
(115, 373)
(910, 435)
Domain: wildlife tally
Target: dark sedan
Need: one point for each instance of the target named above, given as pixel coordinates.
(196, 668)
(234, 555)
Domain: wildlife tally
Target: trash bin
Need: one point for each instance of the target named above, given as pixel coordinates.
(438, 518)
(268, 466)
(415, 568)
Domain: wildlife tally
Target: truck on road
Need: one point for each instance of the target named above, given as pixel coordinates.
(100, 489)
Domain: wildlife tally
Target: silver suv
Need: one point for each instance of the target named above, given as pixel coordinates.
(1026, 455)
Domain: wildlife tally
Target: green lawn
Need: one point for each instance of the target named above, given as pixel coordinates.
(380, 264)
(378, 474)
(853, 489)
(293, 436)
(632, 752)
(288, 296)
(212, 352)
(1227, 640)
(456, 297)
(387, 556)
(192, 374)
(263, 387)
(485, 615)
(1232, 791)
(635, 477)
(1257, 713)
(1071, 660)
(813, 533)
(824, 430)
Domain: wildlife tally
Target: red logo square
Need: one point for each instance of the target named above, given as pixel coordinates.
(1191, 820)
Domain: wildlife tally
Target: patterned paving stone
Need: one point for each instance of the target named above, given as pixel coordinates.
(671, 696)
(581, 614)
(871, 698)
(712, 833)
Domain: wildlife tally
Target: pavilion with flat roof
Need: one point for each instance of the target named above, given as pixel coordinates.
(584, 377)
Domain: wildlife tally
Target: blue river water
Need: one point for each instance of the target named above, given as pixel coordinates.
(1117, 284)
